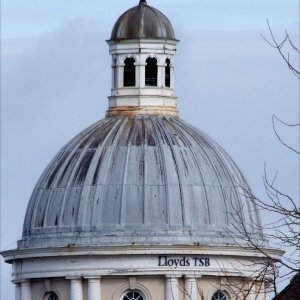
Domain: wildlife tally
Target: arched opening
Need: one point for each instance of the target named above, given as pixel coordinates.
(151, 72)
(51, 296)
(133, 295)
(218, 295)
(168, 73)
(129, 72)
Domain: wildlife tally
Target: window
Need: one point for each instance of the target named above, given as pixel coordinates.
(218, 295)
(167, 73)
(51, 296)
(133, 295)
(151, 72)
(129, 72)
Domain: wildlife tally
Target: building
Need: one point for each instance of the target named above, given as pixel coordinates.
(291, 291)
(140, 205)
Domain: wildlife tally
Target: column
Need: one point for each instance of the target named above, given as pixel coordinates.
(262, 292)
(137, 73)
(163, 75)
(17, 291)
(94, 287)
(75, 288)
(142, 75)
(26, 290)
(171, 288)
(171, 76)
(190, 288)
(160, 79)
(252, 293)
(120, 75)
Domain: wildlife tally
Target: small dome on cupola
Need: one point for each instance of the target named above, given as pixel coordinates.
(143, 21)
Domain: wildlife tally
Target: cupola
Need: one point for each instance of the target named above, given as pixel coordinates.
(142, 175)
(142, 46)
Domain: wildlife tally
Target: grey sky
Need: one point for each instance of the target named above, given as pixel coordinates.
(56, 77)
(23, 18)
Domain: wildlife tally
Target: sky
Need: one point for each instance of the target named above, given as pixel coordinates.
(55, 79)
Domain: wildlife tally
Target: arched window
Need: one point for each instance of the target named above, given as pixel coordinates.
(218, 295)
(168, 73)
(51, 296)
(151, 72)
(129, 72)
(133, 295)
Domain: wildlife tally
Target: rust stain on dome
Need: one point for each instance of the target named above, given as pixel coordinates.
(128, 111)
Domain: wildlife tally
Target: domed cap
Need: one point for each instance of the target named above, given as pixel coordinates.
(144, 180)
(142, 22)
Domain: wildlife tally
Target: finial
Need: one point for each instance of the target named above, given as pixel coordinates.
(143, 2)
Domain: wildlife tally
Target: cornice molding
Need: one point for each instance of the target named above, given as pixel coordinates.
(234, 251)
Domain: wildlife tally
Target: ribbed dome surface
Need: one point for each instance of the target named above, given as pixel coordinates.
(142, 22)
(142, 180)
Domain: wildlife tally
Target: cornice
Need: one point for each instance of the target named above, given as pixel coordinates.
(225, 251)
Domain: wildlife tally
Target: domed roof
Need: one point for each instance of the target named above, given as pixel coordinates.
(138, 180)
(143, 22)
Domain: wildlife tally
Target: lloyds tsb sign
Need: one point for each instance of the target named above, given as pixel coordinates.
(196, 261)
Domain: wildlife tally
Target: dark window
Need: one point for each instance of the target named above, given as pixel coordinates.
(167, 73)
(129, 72)
(151, 72)
(51, 296)
(133, 295)
(218, 295)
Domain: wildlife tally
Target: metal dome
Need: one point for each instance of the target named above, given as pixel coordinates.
(142, 22)
(138, 180)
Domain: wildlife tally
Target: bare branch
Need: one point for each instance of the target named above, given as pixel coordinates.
(279, 137)
(274, 43)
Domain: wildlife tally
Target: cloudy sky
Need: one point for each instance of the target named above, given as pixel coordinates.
(56, 77)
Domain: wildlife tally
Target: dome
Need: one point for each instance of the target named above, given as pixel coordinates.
(138, 180)
(142, 22)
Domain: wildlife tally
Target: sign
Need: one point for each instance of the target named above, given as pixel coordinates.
(196, 261)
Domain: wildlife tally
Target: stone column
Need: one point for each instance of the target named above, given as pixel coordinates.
(26, 290)
(94, 287)
(17, 291)
(120, 75)
(142, 75)
(171, 288)
(260, 291)
(160, 78)
(163, 75)
(114, 77)
(190, 288)
(171, 76)
(75, 288)
(252, 292)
